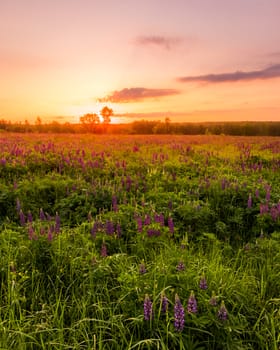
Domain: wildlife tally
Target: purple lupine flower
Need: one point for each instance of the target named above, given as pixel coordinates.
(192, 304)
(159, 218)
(164, 303)
(179, 315)
(109, 227)
(57, 223)
(170, 224)
(181, 266)
(203, 283)
(142, 268)
(50, 234)
(115, 203)
(94, 229)
(42, 215)
(147, 220)
(257, 193)
(31, 233)
(103, 251)
(29, 216)
(249, 202)
(148, 308)
(213, 299)
(18, 206)
(267, 195)
(118, 230)
(139, 224)
(222, 312)
(21, 217)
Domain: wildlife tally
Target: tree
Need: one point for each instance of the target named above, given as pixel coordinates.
(90, 121)
(106, 113)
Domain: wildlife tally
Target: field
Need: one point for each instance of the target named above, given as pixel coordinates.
(139, 242)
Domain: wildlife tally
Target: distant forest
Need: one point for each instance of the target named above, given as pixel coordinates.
(148, 127)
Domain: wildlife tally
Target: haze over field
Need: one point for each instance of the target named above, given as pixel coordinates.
(195, 60)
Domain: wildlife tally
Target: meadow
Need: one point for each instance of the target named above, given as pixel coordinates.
(139, 242)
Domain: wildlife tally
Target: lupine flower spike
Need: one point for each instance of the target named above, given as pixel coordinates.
(222, 312)
(142, 268)
(148, 308)
(164, 303)
(181, 266)
(179, 315)
(203, 283)
(192, 304)
(213, 299)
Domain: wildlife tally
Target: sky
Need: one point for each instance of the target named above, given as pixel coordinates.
(188, 60)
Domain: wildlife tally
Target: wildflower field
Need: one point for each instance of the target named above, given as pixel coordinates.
(139, 242)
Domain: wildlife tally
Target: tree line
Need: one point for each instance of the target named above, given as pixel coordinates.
(89, 123)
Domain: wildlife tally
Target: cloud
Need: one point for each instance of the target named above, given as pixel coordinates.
(137, 94)
(270, 72)
(158, 40)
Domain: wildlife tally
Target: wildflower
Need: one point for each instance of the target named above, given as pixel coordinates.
(213, 299)
(50, 234)
(164, 303)
(203, 282)
(94, 229)
(139, 224)
(42, 215)
(21, 218)
(181, 266)
(148, 308)
(249, 203)
(109, 227)
(222, 312)
(118, 230)
(29, 216)
(103, 252)
(192, 304)
(18, 206)
(170, 225)
(115, 203)
(142, 268)
(179, 315)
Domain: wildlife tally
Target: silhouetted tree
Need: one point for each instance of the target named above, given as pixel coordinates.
(90, 121)
(106, 113)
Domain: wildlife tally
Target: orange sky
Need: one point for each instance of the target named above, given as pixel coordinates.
(189, 60)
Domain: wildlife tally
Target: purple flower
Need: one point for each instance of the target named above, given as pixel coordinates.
(192, 304)
(164, 303)
(21, 218)
(181, 266)
(213, 299)
(148, 308)
(42, 215)
(147, 220)
(170, 225)
(29, 216)
(249, 203)
(103, 251)
(179, 315)
(94, 229)
(139, 224)
(203, 283)
(18, 206)
(115, 203)
(118, 230)
(142, 268)
(222, 312)
(109, 227)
